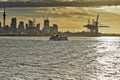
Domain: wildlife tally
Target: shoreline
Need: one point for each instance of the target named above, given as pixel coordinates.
(102, 35)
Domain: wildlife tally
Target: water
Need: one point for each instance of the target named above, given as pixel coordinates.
(36, 58)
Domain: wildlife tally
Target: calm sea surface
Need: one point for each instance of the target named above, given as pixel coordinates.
(36, 58)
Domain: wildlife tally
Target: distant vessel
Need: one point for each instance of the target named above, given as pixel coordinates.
(59, 37)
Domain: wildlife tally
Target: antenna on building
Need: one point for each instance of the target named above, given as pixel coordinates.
(4, 17)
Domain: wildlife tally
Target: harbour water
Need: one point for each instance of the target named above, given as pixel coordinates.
(79, 58)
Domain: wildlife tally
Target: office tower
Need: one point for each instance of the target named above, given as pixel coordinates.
(38, 26)
(38, 29)
(46, 23)
(31, 24)
(55, 28)
(46, 29)
(26, 25)
(14, 25)
(21, 27)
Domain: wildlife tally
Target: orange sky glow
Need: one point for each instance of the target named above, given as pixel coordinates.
(69, 18)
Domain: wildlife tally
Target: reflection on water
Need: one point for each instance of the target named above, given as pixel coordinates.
(109, 62)
(36, 58)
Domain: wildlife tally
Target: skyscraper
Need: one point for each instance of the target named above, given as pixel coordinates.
(46, 23)
(21, 27)
(14, 25)
(46, 29)
(26, 26)
(55, 28)
(31, 23)
(38, 26)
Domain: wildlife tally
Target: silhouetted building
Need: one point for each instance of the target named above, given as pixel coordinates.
(14, 25)
(38, 29)
(31, 23)
(21, 27)
(46, 23)
(38, 26)
(28, 29)
(31, 31)
(26, 26)
(7, 29)
(46, 29)
(55, 28)
(1, 28)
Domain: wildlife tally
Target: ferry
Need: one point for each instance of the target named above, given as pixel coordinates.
(59, 37)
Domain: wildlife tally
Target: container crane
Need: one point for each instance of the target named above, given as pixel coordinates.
(94, 26)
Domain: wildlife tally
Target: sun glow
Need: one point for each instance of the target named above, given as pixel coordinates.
(111, 9)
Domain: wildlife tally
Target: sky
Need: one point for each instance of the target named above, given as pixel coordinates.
(46, 0)
(68, 18)
(30, 0)
(59, 0)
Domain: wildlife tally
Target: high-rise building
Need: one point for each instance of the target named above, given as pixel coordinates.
(14, 25)
(31, 24)
(26, 26)
(38, 26)
(21, 27)
(38, 29)
(55, 28)
(6, 29)
(46, 23)
(46, 29)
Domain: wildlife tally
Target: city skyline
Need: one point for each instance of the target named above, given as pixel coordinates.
(27, 29)
(67, 17)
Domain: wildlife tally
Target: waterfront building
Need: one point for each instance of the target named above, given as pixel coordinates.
(31, 24)
(46, 29)
(21, 27)
(32, 29)
(55, 28)
(38, 29)
(13, 25)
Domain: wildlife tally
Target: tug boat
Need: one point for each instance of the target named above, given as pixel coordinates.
(60, 37)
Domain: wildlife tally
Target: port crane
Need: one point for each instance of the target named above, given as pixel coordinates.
(94, 26)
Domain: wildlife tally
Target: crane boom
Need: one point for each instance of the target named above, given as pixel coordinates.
(97, 18)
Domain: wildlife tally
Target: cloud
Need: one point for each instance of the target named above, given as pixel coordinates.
(53, 0)
(56, 0)
(3, 0)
